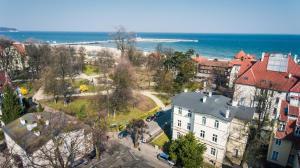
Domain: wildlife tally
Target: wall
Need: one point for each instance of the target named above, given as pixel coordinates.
(284, 150)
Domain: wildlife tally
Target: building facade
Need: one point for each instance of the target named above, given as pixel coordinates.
(214, 123)
(35, 139)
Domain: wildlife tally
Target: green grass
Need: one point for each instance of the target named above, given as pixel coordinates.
(86, 107)
(80, 108)
(164, 98)
(160, 140)
(90, 70)
(91, 88)
(1, 135)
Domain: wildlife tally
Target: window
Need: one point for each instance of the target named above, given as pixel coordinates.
(188, 126)
(236, 153)
(202, 134)
(203, 120)
(278, 142)
(297, 131)
(178, 134)
(179, 123)
(213, 151)
(281, 126)
(291, 159)
(215, 138)
(216, 124)
(274, 155)
(189, 114)
(179, 110)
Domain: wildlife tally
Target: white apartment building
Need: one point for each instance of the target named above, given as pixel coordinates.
(217, 122)
(32, 138)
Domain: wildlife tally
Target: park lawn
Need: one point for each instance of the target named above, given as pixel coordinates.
(91, 88)
(90, 70)
(83, 107)
(160, 140)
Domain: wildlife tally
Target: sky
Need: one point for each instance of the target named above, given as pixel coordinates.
(190, 16)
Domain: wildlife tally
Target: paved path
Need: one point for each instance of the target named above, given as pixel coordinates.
(157, 101)
(147, 151)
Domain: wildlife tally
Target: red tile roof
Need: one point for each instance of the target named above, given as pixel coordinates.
(288, 133)
(214, 63)
(243, 56)
(259, 76)
(296, 88)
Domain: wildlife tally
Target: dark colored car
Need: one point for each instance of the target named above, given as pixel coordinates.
(151, 118)
(122, 134)
(165, 158)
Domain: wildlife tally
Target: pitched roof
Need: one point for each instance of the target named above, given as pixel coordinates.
(216, 106)
(258, 75)
(243, 56)
(287, 110)
(296, 88)
(27, 140)
(214, 63)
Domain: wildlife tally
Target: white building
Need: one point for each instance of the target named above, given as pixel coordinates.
(214, 121)
(35, 138)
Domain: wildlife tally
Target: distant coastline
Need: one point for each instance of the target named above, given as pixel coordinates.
(8, 29)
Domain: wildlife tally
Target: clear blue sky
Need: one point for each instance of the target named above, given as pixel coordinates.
(203, 16)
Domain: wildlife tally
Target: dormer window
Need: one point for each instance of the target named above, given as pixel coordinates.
(297, 131)
(281, 126)
(179, 110)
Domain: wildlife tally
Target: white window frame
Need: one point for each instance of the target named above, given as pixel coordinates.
(215, 138)
(178, 134)
(189, 114)
(213, 151)
(179, 110)
(202, 134)
(217, 124)
(203, 120)
(179, 123)
(188, 126)
(275, 155)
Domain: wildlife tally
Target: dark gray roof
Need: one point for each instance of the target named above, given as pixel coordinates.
(216, 106)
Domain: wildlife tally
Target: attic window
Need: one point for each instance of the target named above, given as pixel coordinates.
(245, 78)
(286, 110)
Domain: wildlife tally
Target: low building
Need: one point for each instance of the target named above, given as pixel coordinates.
(35, 138)
(216, 121)
(284, 148)
(223, 72)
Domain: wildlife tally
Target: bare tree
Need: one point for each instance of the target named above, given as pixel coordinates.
(6, 54)
(82, 54)
(123, 82)
(106, 63)
(136, 128)
(123, 39)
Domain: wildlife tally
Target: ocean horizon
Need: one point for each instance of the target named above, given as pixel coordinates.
(214, 45)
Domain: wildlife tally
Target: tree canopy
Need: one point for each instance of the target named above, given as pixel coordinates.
(187, 151)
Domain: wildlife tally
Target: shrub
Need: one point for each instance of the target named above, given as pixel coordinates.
(23, 91)
(83, 88)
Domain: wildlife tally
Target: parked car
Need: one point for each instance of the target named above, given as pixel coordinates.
(165, 158)
(151, 118)
(122, 134)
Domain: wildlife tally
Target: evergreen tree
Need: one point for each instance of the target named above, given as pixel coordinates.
(11, 108)
(187, 151)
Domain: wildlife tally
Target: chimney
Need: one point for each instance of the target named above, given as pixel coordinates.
(227, 113)
(234, 103)
(22, 121)
(290, 75)
(31, 126)
(209, 94)
(47, 122)
(204, 99)
(262, 56)
(37, 133)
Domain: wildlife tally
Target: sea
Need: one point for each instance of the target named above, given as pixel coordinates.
(209, 45)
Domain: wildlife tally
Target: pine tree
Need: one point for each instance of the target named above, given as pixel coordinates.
(11, 108)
